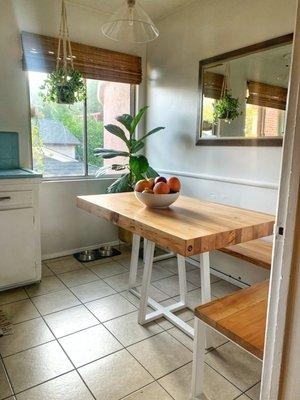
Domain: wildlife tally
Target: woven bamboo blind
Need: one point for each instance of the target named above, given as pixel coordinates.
(40, 54)
(264, 95)
(212, 85)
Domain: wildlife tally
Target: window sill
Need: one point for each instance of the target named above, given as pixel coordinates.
(57, 179)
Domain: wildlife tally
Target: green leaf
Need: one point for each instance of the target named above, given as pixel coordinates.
(121, 185)
(110, 153)
(117, 131)
(125, 120)
(151, 132)
(151, 173)
(136, 145)
(114, 167)
(137, 119)
(138, 165)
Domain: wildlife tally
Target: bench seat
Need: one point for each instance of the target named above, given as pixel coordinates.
(241, 317)
(258, 252)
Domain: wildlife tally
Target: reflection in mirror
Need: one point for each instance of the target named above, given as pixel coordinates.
(244, 97)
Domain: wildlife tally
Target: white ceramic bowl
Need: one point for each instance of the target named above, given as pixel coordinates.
(156, 200)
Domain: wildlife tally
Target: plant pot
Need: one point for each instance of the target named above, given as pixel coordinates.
(64, 94)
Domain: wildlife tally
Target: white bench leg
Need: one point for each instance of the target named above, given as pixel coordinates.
(198, 360)
(182, 278)
(134, 260)
(144, 249)
(146, 281)
(206, 289)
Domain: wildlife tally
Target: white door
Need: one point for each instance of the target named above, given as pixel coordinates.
(17, 249)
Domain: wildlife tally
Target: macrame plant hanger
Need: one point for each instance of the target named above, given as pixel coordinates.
(64, 52)
(226, 84)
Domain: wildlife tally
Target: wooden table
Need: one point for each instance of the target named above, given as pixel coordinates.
(189, 227)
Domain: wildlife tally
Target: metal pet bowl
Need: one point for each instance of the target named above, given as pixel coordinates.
(106, 251)
(88, 255)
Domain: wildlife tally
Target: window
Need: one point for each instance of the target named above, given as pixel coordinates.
(264, 121)
(65, 136)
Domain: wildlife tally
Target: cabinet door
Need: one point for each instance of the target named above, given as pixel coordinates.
(17, 249)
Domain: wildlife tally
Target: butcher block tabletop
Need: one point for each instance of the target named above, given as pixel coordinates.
(190, 226)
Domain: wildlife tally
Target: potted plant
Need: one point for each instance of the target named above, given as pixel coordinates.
(227, 108)
(136, 166)
(64, 87)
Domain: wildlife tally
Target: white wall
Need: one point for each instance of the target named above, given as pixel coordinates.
(204, 29)
(59, 217)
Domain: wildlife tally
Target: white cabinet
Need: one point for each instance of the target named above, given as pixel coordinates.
(20, 250)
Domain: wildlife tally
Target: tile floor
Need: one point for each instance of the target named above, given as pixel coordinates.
(77, 337)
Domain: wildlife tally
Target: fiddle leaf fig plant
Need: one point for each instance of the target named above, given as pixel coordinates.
(64, 86)
(227, 108)
(136, 166)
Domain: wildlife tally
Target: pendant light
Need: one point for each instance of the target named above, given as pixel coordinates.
(130, 23)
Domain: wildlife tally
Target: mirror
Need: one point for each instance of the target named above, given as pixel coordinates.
(243, 95)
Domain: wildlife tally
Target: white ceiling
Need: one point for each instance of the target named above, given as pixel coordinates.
(157, 9)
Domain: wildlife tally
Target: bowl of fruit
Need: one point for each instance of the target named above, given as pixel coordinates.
(159, 192)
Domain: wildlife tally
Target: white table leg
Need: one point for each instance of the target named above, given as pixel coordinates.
(144, 249)
(146, 281)
(198, 360)
(134, 260)
(182, 278)
(206, 289)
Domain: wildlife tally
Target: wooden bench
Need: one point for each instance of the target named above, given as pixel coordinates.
(258, 252)
(241, 317)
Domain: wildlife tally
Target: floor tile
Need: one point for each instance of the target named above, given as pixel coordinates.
(5, 389)
(115, 376)
(155, 293)
(108, 269)
(20, 311)
(76, 278)
(128, 331)
(63, 264)
(92, 291)
(161, 354)
(235, 364)
(150, 392)
(110, 307)
(70, 321)
(121, 282)
(47, 285)
(10, 296)
(157, 273)
(56, 301)
(194, 299)
(178, 384)
(194, 277)
(65, 387)
(254, 392)
(170, 286)
(46, 271)
(89, 345)
(172, 266)
(243, 397)
(126, 262)
(223, 288)
(35, 366)
(26, 334)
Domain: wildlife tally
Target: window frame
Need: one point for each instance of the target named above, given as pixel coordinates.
(85, 176)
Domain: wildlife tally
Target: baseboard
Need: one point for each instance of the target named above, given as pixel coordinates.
(73, 251)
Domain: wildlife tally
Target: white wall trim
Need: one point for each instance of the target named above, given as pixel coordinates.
(73, 251)
(235, 181)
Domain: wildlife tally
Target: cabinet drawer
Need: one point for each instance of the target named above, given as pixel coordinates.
(15, 199)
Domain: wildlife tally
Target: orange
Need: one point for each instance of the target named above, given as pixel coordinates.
(151, 182)
(174, 184)
(141, 185)
(161, 188)
(150, 191)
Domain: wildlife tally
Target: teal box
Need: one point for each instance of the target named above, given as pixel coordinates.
(9, 150)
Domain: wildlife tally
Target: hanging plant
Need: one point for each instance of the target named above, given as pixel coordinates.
(65, 85)
(227, 108)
